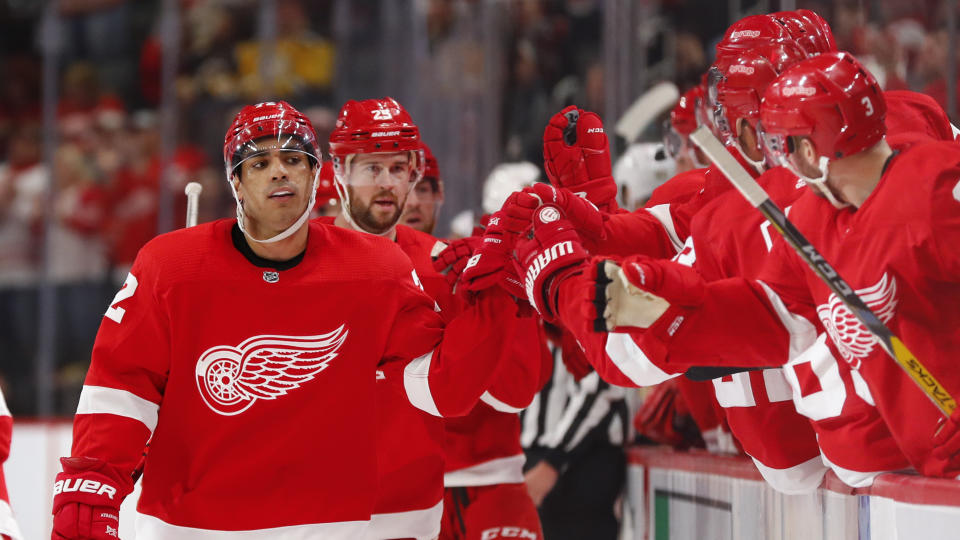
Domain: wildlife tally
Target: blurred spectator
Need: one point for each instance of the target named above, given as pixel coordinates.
(303, 63)
(100, 32)
(526, 106)
(24, 181)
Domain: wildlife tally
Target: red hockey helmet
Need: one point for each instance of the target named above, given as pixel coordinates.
(431, 170)
(739, 78)
(267, 126)
(326, 190)
(752, 31)
(831, 99)
(375, 126)
(808, 29)
(682, 122)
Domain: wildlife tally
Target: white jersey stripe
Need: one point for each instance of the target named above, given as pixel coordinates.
(152, 528)
(799, 479)
(505, 470)
(802, 333)
(498, 405)
(4, 411)
(663, 215)
(8, 525)
(420, 524)
(632, 362)
(416, 382)
(103, 400)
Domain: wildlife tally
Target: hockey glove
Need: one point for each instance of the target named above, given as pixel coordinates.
(645, 293)
(947, 442)
(453, 259)
(585, 217)
(492, 262)
(576, 155)
(552, 255)
(86, 500)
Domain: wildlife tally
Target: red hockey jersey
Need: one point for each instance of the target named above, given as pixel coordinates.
(897, 250)
(483, 447)
(8, 525)
(213, 355)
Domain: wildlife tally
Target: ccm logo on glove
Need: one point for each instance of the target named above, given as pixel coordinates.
(84, 486)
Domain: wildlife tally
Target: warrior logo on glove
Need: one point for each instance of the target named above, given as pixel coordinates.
(231, 379)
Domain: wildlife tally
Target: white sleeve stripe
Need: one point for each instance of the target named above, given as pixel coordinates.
(662, 213)
(632, 362)
(416, 383)
(498, 405)
(4, 411)
(802, 333)
(103, 400)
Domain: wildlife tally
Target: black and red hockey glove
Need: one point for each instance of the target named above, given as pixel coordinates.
(576, 156)
(86, 500)
(492, 261)
(453, 259)
(553, 254)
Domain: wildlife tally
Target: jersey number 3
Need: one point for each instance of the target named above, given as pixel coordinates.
(115, 313)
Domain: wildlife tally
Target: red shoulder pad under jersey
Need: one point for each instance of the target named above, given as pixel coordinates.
(678, 189)
(918, 113)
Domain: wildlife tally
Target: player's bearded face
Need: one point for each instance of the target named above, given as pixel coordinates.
(274, 186)
(378, 186)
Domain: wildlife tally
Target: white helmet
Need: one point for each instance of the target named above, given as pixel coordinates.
(639, 171)
(503, 180)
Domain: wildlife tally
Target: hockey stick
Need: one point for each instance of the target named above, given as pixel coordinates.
(651, 104)
(757, 197)
(192, 191)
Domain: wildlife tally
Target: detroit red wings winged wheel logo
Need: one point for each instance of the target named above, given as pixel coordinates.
(851, 337)
(231, 379)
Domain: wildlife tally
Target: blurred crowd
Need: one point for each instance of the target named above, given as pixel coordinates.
(72, 216)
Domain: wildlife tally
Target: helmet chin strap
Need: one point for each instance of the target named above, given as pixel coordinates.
(241, 216)
(757, 165)
(820, 183)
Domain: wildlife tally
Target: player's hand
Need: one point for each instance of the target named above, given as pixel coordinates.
(540, 480)
(86, 500)
(641, 292)
(492, 261)
(576, 155)
(585, 217)
(947, 442)
(453, 259)
(552, 255)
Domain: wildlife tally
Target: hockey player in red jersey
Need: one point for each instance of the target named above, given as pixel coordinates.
(871, 212)
(216, 346)
(423, 204)
(9, 530)
(372, 203)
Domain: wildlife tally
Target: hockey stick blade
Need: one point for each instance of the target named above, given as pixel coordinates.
(757, 197)
(651, 104)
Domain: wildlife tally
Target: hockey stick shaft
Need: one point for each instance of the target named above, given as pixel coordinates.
(757, 197)
(192, 190)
